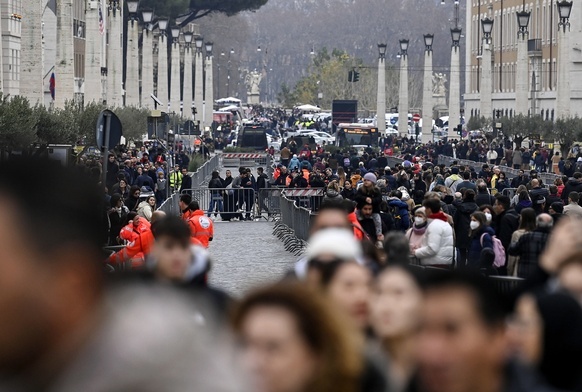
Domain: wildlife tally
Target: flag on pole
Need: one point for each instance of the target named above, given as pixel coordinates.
(101, 22)
(52, 85)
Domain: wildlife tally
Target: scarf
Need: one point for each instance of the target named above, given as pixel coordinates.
(419, 230)
(439, 215)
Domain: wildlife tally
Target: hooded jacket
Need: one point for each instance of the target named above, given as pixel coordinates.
(437, 246)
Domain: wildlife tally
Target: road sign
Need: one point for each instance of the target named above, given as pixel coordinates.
(393, 120)
(416, 117)
(108, 132)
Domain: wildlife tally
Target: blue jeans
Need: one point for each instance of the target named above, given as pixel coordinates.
(215, 201)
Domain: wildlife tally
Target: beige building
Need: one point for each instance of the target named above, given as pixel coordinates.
(542, 44)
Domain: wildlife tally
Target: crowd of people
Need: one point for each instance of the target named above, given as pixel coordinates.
(347, 317)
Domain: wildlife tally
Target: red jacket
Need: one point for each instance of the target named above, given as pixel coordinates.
(359, 232)
(201, 227)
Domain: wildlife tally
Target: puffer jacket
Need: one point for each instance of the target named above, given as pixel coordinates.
(437, 245)
(332, 194)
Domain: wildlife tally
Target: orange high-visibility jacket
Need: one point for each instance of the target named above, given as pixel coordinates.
(201, 227)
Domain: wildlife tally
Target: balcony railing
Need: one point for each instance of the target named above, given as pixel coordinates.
(534, 46)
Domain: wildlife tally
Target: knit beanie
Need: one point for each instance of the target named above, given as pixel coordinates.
(370, 177)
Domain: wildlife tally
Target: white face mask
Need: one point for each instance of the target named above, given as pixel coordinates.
(488, 216)
(474, 225)
(418, 221)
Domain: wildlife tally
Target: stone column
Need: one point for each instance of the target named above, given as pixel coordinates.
(65, 59)
(198, 84)
(381, 99)
(132, 66)
(403, 97)
(175, 89)
(454, 93)
(93, 54)
(162, 84)
(486, 81)
(147, 68)
(427, 101)
(522, 76)
(208, 93)
(115, 53)
(31, 58)
(563, 91)
(187, 93)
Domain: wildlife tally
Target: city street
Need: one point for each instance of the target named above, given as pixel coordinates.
(246, 254)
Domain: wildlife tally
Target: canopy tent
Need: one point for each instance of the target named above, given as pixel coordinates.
(308, 108)
(228, 100)
(229, 108)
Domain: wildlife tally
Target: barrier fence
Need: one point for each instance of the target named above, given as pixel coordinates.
(297, 218)
(204, 172)
(239, 203)
(246, 160)
(547, 178)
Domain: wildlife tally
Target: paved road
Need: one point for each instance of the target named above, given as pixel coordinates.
(245, 255)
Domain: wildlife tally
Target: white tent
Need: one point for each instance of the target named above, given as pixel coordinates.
(229, 108)
(228, 100)
(308, 108)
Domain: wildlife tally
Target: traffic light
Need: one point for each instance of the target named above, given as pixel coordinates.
(460, 130)
(356, 76)
(351, 76)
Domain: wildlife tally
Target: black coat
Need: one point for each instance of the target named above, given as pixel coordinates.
(484, 198)
(462, 221)
(186, 183)
(571, 186)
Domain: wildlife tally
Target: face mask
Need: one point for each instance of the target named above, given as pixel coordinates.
(418, 221)
(474, 225)
(488, 216)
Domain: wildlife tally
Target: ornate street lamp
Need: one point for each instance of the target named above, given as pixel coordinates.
(564, 10)
(199, 41)
(175, 30)
(523, 21)
(382, 50)
(163, 25)
(487, 27)
(132, 8)
(456, 36)
(209, 48)
(188, 37)
(147, 16)
(404, 47)
(428, 40)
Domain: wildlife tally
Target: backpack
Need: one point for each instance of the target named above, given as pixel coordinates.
(498, 249)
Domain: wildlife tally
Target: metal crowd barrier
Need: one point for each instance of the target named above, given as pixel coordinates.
(547, 178)
(230, 203)
(309, 198)
(296, 218)
(204, 172)
(506, 284)
(171, 205)
(245, 160)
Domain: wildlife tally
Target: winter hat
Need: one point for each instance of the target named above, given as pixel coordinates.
(387, 169)
(406, 164)
(339, 243)
(370, 177)
(454, 170)
(294, 155)
(579, 159)
(557, 206)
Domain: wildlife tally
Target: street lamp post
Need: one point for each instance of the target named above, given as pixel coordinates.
(522, 69)
(455, 83)
(228, 73)
(486, 81)
(403, 90)
(209, 86)
(131, 83)
(198, 77)
(381, 100)
(187, 93)
(563, 91)
(175, 87)
(147, 58)
(427, 101)
(162, 85)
